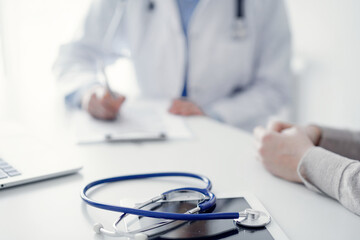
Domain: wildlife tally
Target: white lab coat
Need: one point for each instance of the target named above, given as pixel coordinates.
(241, 82)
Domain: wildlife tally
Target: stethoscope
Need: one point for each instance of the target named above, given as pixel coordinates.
(238, 27)
(247, 218)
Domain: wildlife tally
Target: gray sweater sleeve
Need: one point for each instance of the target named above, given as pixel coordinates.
(331, 174)
(343, 142)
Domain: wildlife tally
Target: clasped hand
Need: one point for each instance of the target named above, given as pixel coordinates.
(281, 146)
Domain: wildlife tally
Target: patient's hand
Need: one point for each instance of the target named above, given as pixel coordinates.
(104, 106)
(185, 108)
(281, 152)
(312, 131)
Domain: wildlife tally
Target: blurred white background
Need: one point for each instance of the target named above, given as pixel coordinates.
(326, 58)
(326, 37)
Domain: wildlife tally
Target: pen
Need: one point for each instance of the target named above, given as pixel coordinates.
(109, 34)
(106, 82)
(101, 68)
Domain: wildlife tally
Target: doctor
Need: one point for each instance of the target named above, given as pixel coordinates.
(227, 59)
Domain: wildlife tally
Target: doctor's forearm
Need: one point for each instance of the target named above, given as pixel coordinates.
(77, 64)
(249, 108)
(75, 98)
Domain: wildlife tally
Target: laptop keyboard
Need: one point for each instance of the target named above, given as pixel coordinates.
(6, 170)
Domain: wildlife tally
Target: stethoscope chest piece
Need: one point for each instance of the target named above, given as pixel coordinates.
(239, 29)
(253, 219)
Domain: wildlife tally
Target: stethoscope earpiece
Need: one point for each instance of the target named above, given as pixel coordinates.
(140, 236)
(239, 29)
(97, 227)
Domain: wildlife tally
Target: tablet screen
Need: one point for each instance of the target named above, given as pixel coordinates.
(207, 229)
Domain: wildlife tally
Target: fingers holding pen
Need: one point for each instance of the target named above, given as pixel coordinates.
(112, 101)
(105, 107)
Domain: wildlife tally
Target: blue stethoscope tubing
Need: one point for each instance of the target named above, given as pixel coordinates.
(205, 205)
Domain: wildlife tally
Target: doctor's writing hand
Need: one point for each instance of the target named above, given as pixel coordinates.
(281, 152)
(185, 108)
(104, 106)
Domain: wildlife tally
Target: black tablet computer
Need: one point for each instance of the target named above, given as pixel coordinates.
(207, 229)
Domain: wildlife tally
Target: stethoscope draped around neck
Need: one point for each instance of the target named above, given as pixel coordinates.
(238, 30)
(246, 218)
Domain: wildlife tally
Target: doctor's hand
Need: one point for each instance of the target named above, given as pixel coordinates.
(185, 108)
(281, 151)
(104, 106)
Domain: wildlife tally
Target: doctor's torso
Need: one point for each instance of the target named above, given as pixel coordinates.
(218, 63)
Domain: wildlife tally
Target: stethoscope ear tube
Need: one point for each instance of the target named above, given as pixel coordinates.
(239, 26)
(176, 216)
(240, 9)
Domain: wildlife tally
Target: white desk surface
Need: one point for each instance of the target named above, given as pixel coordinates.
(53, 209)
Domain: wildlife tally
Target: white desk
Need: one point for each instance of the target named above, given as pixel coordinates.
(53, 209)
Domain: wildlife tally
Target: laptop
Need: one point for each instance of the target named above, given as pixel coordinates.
(25, 159)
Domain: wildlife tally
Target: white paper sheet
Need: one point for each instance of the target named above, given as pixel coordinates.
(139, 119)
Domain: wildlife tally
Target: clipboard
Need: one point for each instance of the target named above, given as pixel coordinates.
(139, 121)
(125, 137)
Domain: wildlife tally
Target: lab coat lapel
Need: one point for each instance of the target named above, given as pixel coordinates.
(196, 18)
(174, 15)
(172, 10)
